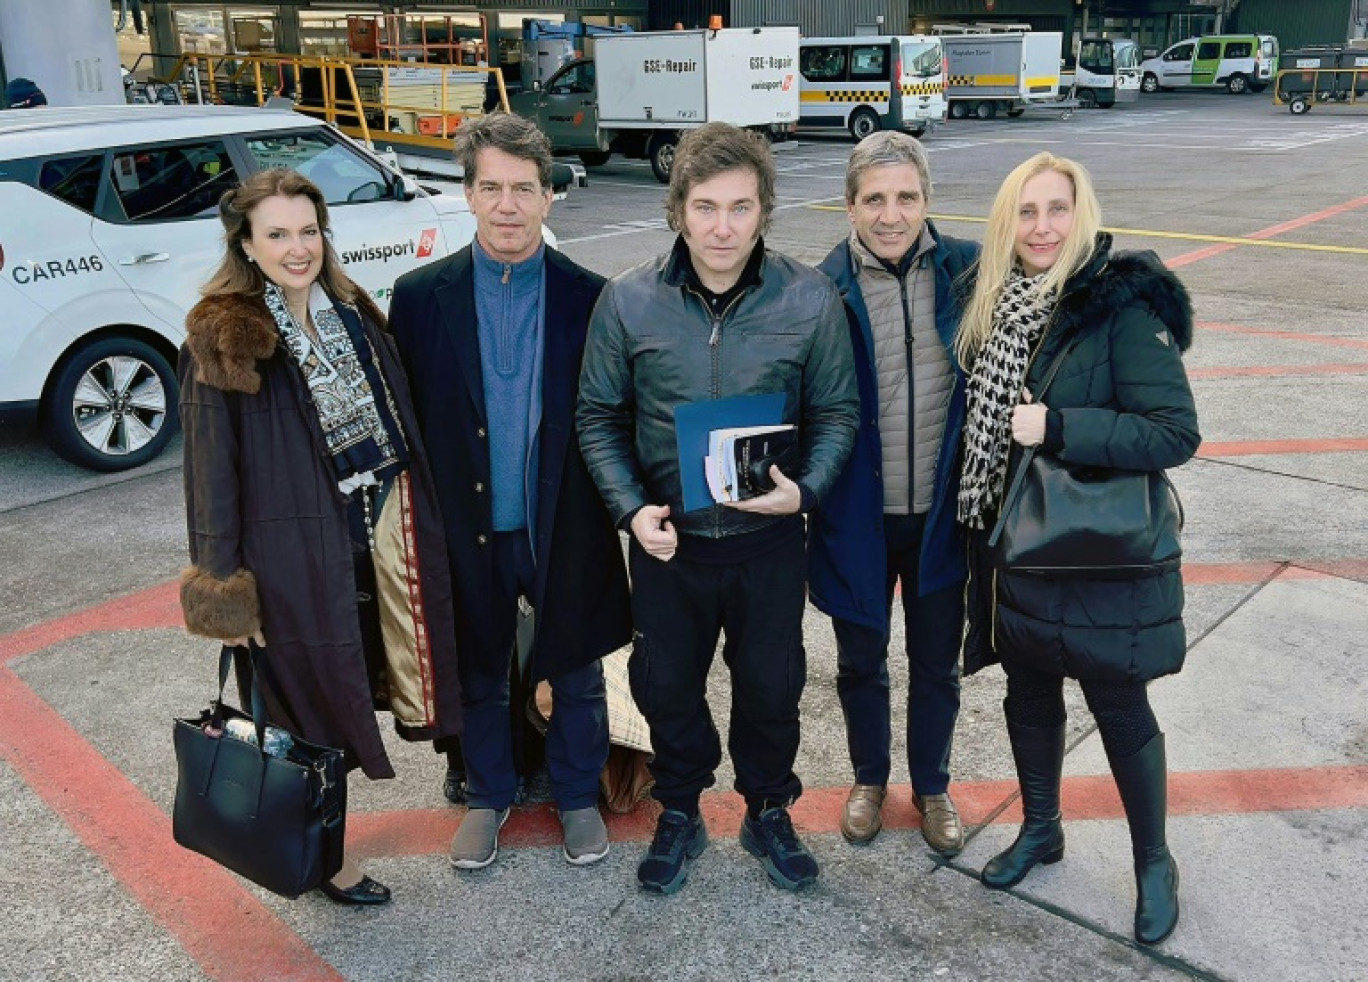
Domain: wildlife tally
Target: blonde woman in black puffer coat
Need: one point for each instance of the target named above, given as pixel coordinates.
(1048, 279)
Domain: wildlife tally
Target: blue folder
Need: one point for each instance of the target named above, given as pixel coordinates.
(695, 420)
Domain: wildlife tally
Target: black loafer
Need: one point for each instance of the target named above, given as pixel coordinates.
(366, 892)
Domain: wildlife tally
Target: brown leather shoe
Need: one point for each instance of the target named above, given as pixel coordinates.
(940, 823)
(863, 814)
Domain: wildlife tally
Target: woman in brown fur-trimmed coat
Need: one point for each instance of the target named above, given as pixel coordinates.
(313, 524)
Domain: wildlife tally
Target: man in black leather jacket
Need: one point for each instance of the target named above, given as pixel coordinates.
(717, 317)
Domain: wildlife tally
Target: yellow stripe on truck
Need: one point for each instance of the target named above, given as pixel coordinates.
(983, 80)
(1043, 82)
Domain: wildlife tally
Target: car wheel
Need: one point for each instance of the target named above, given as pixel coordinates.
(1236, 84)
(111, 405)
(595, 158)
(863, 122)
(662, 153)
(1300, 106)
(1150, 83)
(985, 110)
(959, 110)
(1087, 99)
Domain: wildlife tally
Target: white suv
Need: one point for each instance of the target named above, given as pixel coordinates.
(108, 226)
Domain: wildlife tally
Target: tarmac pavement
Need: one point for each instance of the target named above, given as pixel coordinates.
(1267, 726)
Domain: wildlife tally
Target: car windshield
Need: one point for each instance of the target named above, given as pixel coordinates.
(921, 59)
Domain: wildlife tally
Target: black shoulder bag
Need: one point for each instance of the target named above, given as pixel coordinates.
(1071, 520)
(277, 818)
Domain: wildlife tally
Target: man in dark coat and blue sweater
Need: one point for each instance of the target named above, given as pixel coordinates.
(891, 515)
(492, 339)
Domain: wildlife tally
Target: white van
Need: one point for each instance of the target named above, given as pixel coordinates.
(865, 84)
(1238, 62)
(110, 227)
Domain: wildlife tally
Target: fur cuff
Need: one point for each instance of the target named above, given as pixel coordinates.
(216, 608)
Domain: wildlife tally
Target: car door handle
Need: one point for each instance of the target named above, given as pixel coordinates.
(146, 257)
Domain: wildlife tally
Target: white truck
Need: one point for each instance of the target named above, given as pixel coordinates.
(1107, 73)
(1007, 71)
(640, 92)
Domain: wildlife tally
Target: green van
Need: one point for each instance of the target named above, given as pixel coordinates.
(1239, 62)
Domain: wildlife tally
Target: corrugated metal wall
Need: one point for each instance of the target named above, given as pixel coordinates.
(1296, 24)
(664, 14)
(817, 19)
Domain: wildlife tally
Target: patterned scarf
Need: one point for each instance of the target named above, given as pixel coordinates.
(355, 407)
(1020, 317)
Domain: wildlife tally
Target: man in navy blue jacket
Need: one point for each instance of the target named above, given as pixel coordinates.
(891, 515)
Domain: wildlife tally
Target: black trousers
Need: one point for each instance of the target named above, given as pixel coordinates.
(679, 609)
(934, 626)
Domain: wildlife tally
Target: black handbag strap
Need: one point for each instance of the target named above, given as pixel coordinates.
(1020, 476)
(258, 704)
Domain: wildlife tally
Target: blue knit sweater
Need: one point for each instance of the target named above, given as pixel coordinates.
(510, 308)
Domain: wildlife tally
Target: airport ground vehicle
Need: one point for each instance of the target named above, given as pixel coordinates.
(866, 84)
(988, 71)
(111, 226)
(641, 91)
(1239, 62)
(1330, 76)
(1107, 73)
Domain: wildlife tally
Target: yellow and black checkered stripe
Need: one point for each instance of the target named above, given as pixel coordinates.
(1031, 83)
(823, 95)
(923, 88)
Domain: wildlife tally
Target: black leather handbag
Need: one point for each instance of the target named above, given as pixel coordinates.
(278, 820)
(1068, 520)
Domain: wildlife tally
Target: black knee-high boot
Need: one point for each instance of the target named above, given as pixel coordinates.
(1039, 756)
(1142, 780)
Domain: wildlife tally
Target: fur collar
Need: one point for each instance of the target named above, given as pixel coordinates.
(229, 333)
(1112, 281)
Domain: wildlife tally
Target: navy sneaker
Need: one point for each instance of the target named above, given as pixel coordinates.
(771, 839)
(678, 839)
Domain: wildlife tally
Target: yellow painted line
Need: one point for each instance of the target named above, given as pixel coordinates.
(1154, 234)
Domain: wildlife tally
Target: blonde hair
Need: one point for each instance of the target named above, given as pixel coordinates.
(999, 247)
(236, 273)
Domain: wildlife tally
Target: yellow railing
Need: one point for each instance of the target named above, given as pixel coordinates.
(412, 103)
(1321, 87)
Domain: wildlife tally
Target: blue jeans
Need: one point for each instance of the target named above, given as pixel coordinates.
(934, 626)
(577, 740)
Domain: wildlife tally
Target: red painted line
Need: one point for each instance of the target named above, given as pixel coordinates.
(1246, 448)
(1284, 335)
(158, 606)
(1268, 233)
(226, 930)
(1352, 368)
(818, 811)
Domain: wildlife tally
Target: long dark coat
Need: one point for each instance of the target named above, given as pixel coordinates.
(269, 540)
(1123, 401)
(582, 603)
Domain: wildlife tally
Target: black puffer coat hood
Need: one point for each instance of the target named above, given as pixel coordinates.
(1120, 400)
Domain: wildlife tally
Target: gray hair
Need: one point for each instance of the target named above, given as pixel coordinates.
(514, 135)
(883, 149)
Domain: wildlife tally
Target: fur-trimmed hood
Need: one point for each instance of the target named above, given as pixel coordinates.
(229, 333)
(1113, 280)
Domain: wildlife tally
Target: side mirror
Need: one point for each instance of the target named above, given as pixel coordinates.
(406, 188)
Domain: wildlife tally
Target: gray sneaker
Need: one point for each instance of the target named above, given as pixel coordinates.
(476, 843)
(586, 837)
